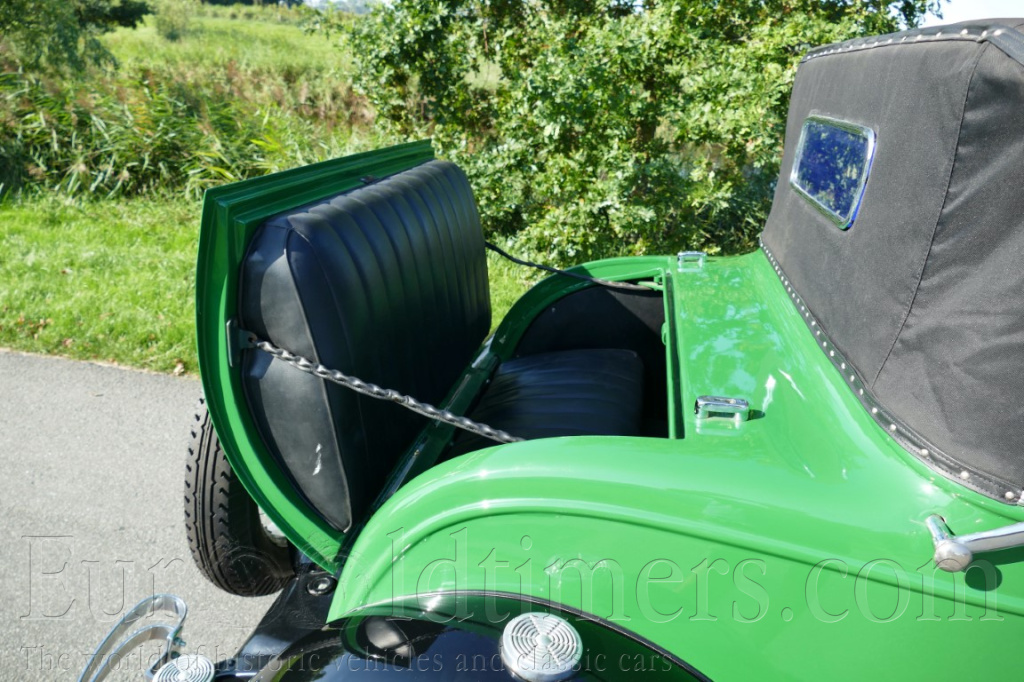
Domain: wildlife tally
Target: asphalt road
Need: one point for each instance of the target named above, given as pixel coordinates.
(91, 485)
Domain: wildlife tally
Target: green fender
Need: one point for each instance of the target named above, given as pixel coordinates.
(792, 545)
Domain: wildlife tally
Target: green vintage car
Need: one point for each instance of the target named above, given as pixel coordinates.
(805, 462)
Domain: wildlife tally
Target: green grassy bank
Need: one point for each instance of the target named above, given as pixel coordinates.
(108, 280)
(99, 229)
(114, 280)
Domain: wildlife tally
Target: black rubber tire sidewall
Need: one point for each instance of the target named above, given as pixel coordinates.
(225, 535)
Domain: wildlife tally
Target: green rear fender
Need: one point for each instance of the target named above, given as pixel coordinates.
(793, 544)
(707, 551)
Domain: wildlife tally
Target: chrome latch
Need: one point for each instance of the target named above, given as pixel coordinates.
(955, 553)
(709, 407)
(690, 260)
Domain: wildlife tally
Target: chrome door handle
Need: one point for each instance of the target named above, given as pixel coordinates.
(955, 552)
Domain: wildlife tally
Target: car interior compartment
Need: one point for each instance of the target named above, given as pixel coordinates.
(388, 283)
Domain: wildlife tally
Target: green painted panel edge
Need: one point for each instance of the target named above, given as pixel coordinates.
(231, 214)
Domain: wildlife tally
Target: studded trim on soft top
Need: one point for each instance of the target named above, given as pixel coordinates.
(907, 437)
(1006, 38)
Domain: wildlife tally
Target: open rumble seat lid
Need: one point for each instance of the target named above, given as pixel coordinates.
(923, 294)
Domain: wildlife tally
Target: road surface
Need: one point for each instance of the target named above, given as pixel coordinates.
(92, 465)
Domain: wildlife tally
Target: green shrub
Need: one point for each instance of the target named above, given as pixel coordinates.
(173, 19)
(593, 128)
(62, 35)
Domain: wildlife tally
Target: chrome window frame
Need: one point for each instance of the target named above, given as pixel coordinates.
(866, 133)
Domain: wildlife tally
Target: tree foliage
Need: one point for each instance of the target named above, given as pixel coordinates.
(598, 127)
(62, 34)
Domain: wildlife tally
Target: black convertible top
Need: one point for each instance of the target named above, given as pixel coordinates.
(923, 294)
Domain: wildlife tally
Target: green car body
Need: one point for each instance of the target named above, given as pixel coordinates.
(793, 541)
(789, 547)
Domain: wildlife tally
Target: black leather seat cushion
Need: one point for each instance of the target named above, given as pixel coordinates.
(564, 393)
(388, 283)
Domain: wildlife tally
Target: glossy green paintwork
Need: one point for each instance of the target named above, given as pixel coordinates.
(791, 547)
(231, 214)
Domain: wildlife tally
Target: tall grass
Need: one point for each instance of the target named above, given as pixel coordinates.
(98, 243)
(232, 99)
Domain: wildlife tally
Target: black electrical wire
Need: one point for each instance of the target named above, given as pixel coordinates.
(556, 271)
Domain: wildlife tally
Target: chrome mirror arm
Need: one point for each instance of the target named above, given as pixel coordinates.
(954, 553)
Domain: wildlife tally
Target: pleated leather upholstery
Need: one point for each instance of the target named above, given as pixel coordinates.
(387, 282)
(565, 393)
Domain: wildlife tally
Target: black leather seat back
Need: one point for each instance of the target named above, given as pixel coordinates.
(388, 283)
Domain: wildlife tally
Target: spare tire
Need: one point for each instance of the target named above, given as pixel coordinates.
(226, 535)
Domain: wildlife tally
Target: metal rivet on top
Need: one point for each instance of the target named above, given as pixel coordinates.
(1010, 495)
(924, 452)
(965, 475)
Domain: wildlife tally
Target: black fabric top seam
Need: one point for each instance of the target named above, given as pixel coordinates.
(1010, 44)
(1008, 39)
(938, 220)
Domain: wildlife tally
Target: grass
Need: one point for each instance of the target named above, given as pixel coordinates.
(106, 280)
(113, 280)
(231, 99)
(508, 282)
(93, 264)
(221, 41)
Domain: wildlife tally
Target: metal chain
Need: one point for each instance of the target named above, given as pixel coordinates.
(374, 391)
